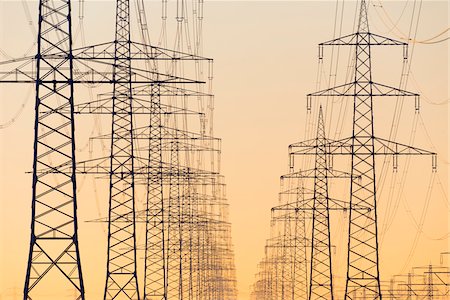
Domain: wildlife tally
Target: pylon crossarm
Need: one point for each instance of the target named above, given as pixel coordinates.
(280, 241)
(308, 205)
(330, 173)
(362, 89)
(203, 179)
(296, 191)
(342, 146)
(311, 145)
(341, 174)
(103, 72)
(24, 60)
(378, 40)
(291, 206)
(349, 39)
(361, 39)
(307, 143)
(140, 216)
(175, 133)
(187, 146)
(101, 166)
(165, 90)
(288, 215)
(186, 141)
(140, 106)
(85, 73)
(22, 70)
(138, 51)
(345, 206)
(159, 53)
(386, 147)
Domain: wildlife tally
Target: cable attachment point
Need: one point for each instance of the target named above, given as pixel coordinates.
(417, 103)
(434, 163)
(308, 103)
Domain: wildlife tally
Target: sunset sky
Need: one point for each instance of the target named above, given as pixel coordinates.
(265, 62)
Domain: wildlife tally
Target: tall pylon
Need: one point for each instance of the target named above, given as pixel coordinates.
(121, 271)
(54, 258)
(155, 269)
(321, 278)
(363, 274)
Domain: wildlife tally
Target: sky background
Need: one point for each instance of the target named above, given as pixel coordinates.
(265, 55)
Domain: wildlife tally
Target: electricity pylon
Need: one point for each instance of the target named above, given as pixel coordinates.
(286, 252)
(54, 258)
(121, 270)
(321, 277)
(363, 275)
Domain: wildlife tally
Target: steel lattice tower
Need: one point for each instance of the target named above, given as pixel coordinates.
(155, 285)
(284, 272)
(121, 276)
(321, 279)
(363, 258)
(54, 240)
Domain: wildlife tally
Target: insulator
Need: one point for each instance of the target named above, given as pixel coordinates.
(210, 69)
(395, 162)
(434, 162)
(81, 9)
(308, 103)
(417, 103)
(164, 10)
(320, 51)
(200, 9)
(180, 10)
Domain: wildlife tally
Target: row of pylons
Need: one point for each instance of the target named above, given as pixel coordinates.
(159, 106)
(297, 261)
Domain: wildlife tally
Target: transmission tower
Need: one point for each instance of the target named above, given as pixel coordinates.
(54, 258)
(320, 272)
(321, 278)
(363, 276)
(121, 276)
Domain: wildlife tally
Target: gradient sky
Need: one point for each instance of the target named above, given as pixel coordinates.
(265, 56)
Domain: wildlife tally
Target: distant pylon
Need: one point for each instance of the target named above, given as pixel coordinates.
(54, 258)
(121, 274)
(155, 269)
(321, 279)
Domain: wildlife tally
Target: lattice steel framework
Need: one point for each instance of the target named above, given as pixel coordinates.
(321, 278)
(121, 275)
(155, 286)
(54, 253)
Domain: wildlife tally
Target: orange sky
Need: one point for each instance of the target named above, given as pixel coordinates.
(265, 63)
